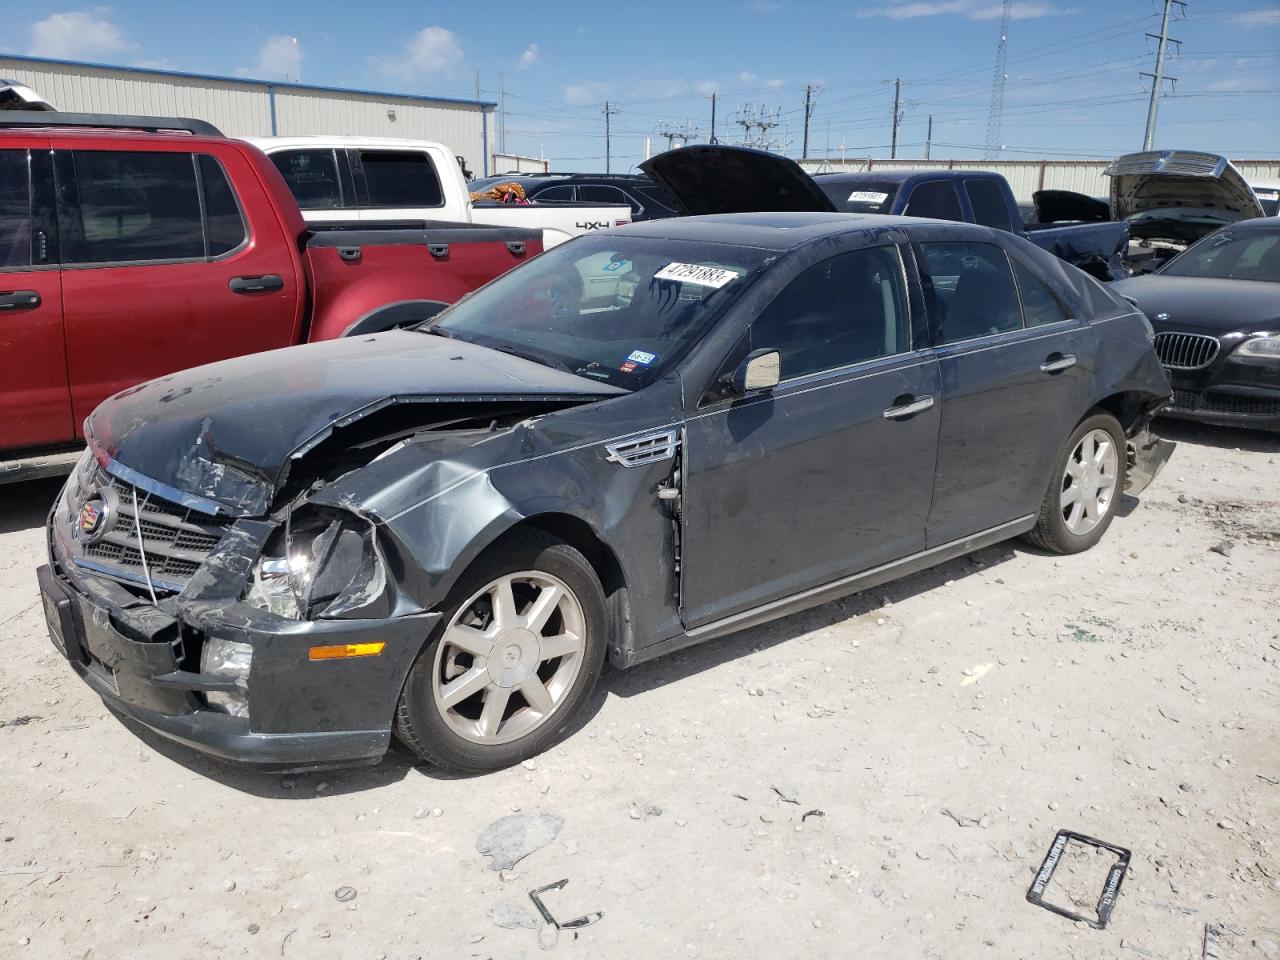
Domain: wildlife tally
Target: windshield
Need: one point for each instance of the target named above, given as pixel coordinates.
(859, 196)
(611, 308)
(1270, 203)
(1231, 256)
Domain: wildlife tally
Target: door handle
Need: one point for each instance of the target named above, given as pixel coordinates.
(908, 407)
(1057, 362)
(19, 300)
(259, 284)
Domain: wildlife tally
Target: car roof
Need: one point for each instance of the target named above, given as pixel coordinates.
(899, 176)
(1256, 225)
(771, 231)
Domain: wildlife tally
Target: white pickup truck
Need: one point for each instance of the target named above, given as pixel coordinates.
(375, 179)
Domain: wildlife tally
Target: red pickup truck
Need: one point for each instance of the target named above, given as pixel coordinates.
(131, 247)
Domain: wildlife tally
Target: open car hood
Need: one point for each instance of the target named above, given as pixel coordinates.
(224, 436)
(1067, 206)
(1147, 181)
(708, 179)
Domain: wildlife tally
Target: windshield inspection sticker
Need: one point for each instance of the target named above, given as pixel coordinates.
(641, 357)
(867, 196)
(696, 274)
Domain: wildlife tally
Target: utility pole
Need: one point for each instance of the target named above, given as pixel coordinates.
(1158, 78)
(712, 139)
(608, 110)
(808, 112)
(502, 116)
(897, 98)
(928, 140)
(477, 84)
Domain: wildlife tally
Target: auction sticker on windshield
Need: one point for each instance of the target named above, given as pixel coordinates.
(867, 196)
(697, 274)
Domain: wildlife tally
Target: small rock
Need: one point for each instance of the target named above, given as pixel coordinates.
(817, 924)
(437, 812)
(1223, 547)
(420, 813)
(634, 813)
(477, 938)
(548, 936)
(506, 876)
(681, 822)
(935, 669)
(229, 885)
(1226, 823)
(653, 810)
(23, 941)
(1185, 787)
(253, 928)
(1053, 804)
(529, 765)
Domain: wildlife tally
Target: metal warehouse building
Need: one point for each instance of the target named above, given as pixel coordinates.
(241, 107)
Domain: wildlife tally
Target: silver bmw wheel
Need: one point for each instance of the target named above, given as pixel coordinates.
(1089, 482)
(508, 659)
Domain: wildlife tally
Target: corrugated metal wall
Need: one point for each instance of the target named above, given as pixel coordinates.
(1028, 176)
(243, 108)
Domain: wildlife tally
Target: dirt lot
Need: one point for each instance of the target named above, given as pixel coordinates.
(943, 728)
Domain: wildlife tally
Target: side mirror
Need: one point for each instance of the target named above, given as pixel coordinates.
(759, 370)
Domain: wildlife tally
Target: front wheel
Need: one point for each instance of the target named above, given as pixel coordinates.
(1086, 485)
(515, 657)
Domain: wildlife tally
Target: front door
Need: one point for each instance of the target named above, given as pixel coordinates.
(162, 271)
(820, 477)
(1011, 360)
(35, 406)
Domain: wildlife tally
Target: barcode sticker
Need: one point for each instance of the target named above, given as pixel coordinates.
(867, 196)
(697, 274)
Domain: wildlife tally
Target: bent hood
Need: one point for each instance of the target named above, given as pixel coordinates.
(1062, 206)
(1155, 179)
(225, 434)
(706, 179)
(1202, 305)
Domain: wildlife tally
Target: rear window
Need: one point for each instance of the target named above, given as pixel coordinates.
(140, 206)
(936, 199)
(400, 178)
(860, 196)
(989, 205)
(312, 176)
(15, 209)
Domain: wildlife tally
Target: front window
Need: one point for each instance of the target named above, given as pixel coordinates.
(1231, 256)
(614, 309)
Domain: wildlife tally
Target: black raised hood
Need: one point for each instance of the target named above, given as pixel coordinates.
(226, 432)
(708, 179)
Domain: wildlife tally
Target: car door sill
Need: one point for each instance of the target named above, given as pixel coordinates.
(816, 596)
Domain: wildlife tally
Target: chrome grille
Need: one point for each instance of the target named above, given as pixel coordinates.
(638, 451)
(176, 539)
(1186, 351)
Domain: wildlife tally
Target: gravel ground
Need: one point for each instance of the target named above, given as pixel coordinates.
(879, 777)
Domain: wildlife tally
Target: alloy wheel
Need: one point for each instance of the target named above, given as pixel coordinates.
(1089, 482)
(509, 657)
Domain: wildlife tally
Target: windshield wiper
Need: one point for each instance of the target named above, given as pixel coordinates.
(535, 357)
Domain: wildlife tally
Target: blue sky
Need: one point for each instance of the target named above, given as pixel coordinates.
(1073, 90)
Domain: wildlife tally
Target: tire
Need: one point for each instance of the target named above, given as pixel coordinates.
(470, 702)
(1065, 526)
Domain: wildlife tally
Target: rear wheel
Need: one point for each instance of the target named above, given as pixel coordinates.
(1086, 486)
(516, 655)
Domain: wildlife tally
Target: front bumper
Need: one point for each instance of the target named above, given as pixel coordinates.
(302, 713)
(1233, 391)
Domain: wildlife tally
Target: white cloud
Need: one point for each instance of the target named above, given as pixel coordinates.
(1257, 18)
(280, 57)
(775, 84)
(969, 9)
(529, 57)
(78, 35)
(746, 76)
(707, 87)
(432, 50)
(587, 92)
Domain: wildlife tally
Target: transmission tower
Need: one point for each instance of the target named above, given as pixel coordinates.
(684, 132)
(1159, 77)
(756, 122)
(996, 116)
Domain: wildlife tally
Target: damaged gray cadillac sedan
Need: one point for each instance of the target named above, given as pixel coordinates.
(641, 440)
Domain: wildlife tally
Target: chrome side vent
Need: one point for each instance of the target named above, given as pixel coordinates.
(648, 448)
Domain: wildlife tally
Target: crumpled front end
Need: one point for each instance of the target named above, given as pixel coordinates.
(249, 639)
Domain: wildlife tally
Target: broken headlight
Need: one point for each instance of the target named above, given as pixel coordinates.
(321, 563)
(228, 658)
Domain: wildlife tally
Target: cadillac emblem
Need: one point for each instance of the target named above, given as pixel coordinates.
(96, 517)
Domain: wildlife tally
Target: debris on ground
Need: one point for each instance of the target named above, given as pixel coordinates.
(1110, 888)
(512, 838)
(576, 924)
(512, 916)
(344, 894)
(1223, 547)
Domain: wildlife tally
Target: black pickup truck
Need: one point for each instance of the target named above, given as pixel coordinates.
(716, 179)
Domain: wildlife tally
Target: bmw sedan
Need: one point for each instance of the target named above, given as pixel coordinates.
(1216, 311)
(639, 441)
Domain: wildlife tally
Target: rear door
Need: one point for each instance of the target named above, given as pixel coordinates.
(1009, 385)
(163, 268)
(35, 405)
